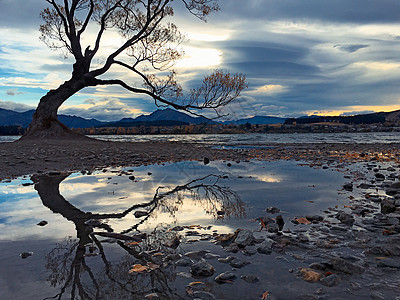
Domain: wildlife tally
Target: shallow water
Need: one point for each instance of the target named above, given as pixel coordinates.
(253, 138)
(62, 263)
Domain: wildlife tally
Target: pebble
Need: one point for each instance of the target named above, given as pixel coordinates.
(202, 268)
(223, 277)
(238, 263)
(250, 278)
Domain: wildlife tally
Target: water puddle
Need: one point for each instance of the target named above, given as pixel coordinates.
(123, 233)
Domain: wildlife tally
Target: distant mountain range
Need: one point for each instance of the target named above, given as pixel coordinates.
(171, 117)
(160, 117)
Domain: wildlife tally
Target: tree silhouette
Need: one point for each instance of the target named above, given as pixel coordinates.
(150, 42)
(68, 260)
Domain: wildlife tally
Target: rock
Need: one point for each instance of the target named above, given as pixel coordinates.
(206, 160)
(266, 246)
(202, 268)
(345, 218)
(389, 263)
(26, 254)
(348, 187)
(310, 275)
(250, 250)
(250, 278)
(365, 186)
(184, 262)
(140, 213)
(379, 177)
(226, 259)
(42, 223)
(203, 295)
(238, 263)
(341, 265)
(223, 277)
(244, 238)
(131, 178)
(280, 222)
(177, 228)
(387, 207)
(172, 243)
(233, 247)
(318, 266)
(331, 280)
(197, 254)
(272, 210)
(315, 218)
(152, 296)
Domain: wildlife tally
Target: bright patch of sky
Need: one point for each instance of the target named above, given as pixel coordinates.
(300, 58)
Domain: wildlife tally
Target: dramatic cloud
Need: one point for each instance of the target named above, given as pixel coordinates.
(299, 57)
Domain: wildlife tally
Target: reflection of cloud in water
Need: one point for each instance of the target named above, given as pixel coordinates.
(270, 178)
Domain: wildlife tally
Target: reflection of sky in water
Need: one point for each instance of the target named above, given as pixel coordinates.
(259, 185)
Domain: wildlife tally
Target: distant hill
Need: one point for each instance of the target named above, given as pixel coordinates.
(127, 123)
(10, 117)
(169, 114)
(261, 120)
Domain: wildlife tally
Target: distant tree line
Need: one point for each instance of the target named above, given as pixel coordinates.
(12, 130)
(373, 118)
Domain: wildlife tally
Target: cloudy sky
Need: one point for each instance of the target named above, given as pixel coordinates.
(300, 57)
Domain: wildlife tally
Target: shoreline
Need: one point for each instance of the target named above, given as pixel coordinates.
(42, 156)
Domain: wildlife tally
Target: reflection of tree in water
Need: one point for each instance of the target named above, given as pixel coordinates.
(84, 278)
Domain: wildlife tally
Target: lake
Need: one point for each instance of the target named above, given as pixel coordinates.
(253, 138)
(68, 259)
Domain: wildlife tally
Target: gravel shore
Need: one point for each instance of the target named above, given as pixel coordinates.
(41, 156)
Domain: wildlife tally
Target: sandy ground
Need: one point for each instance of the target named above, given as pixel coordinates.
(42, 156)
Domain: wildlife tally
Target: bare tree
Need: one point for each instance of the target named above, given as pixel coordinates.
(149, 49)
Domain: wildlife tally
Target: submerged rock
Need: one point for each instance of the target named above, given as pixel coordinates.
(342, 265)
(250, 278)
(345, 218)
(223, 277)
(331, 280)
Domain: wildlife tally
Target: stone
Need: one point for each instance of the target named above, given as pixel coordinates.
(233, 247)
(202, 268)
(315, 218)
(26, 254)
(341, 265)
(310, 275)
(389, 263)
(140, 213)
(266, 246)
(272, 210)
(331, 280)
(244, 238)
(345, 218)
(226, 259)
(206, 160)
(280, 222)
(197, 254)
(250, 278)
(202, 295)
(42, 223)
(379, 177)
(184, 262)
(131, 178)
(226, 276)
(387, 207)
(238, 263)
(348, 187)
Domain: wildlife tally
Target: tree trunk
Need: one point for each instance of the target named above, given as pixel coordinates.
(44, 123)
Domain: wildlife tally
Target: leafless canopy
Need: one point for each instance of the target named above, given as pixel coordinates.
(149, 47)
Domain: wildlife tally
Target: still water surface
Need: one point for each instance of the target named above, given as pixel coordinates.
(253, 138)
(64, 263)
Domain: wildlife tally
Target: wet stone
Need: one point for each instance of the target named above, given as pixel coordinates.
(42, 223)
(233, 247)
(348, 187)
(244, 238)
(223, 277)
(389, 263)
(339, 264)
(265, 247)
(226, 260)
(26, 254)
(140, 213)
(331, 280)
(238, 263)
(345, 218)
(250, 278)
(184, 262)
(202, 268)
(388, 207)
(272, 210)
